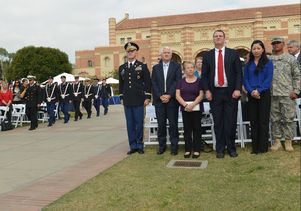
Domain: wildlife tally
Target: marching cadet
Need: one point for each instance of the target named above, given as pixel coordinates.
(77, 95)
(88, 96)
(106, 94)
(32, 98)
(134, 89)
(51, 98)
(96, 102)
(65, 97)
(285, 88)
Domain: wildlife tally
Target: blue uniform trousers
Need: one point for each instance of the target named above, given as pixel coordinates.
(96, 104)
(65, 109)
(50, 111)
(134, 116)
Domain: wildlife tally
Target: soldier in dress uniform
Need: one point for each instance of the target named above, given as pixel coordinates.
(65, 93)
(97, 90)
(88, 97)
(284, 91)
(106, 94)
(51, 97)
(77, 95)
(135, 93)
(32, 98)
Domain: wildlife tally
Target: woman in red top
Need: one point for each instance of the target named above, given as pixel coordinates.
(6, 98)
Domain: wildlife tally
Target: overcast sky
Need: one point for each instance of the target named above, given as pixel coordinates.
(72, 25)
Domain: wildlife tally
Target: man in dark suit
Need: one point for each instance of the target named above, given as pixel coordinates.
(165, 76)
(222, 77)
(134, 89)
(88, 97)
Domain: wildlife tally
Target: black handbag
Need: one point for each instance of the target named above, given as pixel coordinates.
(6, 125)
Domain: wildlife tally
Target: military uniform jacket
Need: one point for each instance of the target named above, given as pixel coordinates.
(77, 91)
(287, 76)
(97, 91)
(134, 84)
(88, 93)
(33, 95)
(51, 94)
(65, 92)
(106, 91)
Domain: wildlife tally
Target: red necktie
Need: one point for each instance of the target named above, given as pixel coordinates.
(220, 69)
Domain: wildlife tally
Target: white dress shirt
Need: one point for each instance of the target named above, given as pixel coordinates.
(216, 68)
(129, 63)
(165, 70)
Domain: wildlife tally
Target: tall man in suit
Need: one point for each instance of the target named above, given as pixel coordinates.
(165, 76)
(134, 89)
(222, 78)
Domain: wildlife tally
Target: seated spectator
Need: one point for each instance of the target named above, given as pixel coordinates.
(6, 97)
(17, 87)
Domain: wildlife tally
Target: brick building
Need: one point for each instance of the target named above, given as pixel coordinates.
(189, 35)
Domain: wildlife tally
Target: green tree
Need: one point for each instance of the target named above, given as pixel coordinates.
(39, 61)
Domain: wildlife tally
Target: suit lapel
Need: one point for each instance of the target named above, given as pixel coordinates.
(169, 71)
(226, 59)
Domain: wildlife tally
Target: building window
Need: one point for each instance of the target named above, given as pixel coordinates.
(107, 61)
(122, 40)
(272, 27)
(129, 39)
(148, 37)
(90, 63)
(296, 28)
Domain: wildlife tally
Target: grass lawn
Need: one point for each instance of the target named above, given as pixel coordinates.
(269, 181)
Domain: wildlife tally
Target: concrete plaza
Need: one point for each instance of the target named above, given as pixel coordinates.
(37, 167)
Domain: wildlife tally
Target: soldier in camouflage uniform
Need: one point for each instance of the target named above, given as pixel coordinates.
(285, 88)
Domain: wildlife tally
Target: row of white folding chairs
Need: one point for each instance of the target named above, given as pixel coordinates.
(241, 136)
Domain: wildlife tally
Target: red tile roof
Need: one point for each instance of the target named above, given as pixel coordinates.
(217, 16)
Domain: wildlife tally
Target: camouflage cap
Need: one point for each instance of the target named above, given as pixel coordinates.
(277, 39)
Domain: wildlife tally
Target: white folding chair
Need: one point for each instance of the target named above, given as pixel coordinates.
(18, 114)
(3, 111)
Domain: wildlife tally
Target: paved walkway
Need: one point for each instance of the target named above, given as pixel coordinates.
(37, 167)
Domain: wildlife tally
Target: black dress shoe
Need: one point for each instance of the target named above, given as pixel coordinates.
(140, 151)
(31, 128)
(220, 155)
(80, 117)
(174, 153)
(254, 152)
(49, 125)
(161, 151)
(187, 155)
(75, 120)
(196, 155)
(132, 151)
(233, 154)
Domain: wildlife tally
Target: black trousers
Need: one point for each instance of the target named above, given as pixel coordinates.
(163, 113)
(192, 131)
(32, 114)
(88, 107)
(260, 116)
(224, 112)
(76, 105)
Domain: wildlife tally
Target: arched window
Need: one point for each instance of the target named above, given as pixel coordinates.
(90, 63)
(107, 61)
